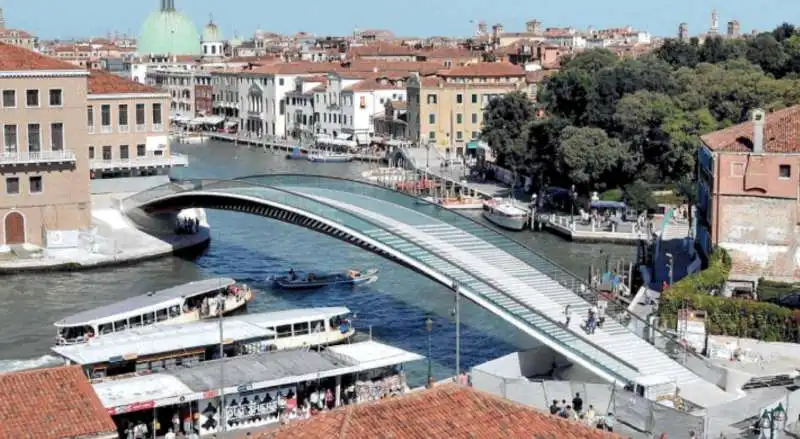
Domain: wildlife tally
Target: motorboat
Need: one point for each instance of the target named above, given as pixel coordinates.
(455, 203)
(329, 157)
(506, 214)
(185, 303)
(296, 154)
(295, 281)
(158, 347)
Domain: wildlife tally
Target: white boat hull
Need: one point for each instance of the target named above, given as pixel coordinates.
(311, 340)
(507, 222)
(329, 158)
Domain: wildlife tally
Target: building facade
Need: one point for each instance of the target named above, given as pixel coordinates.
(190, 90)
(44, 168)
(447, 110)
(127, 123)
(16, 37)
(748, 202)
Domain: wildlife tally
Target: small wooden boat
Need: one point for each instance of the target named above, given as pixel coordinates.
(311, 281)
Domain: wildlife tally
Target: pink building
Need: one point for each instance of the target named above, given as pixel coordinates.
(749, 195)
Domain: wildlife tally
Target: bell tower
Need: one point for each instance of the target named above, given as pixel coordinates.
(2, 20)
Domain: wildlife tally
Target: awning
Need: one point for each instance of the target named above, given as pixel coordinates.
(477, 144)
(231, 123)
(213, 120)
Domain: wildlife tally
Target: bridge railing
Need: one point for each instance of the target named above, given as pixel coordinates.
(663, 341)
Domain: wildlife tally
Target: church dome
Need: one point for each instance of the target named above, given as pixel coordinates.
(168, 32)
(211, 33)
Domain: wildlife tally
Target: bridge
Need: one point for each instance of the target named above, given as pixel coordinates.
(524, 288)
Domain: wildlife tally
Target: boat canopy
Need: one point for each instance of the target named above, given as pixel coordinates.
(602, 204)
(156, 339)
(145, 303)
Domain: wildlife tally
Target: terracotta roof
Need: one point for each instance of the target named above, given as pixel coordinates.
(538, 75)
(448, 411)
(486, 69)
(376, 83)
(17, 59)
(103, 83)
(15, 33)
(51, 403)
(382, 49)
(781, 134)
(364, 66)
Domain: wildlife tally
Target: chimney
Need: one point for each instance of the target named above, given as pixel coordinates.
(758, 130)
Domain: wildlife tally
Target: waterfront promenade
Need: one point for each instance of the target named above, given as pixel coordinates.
(622, 232)
(433, 165)
(274, 143)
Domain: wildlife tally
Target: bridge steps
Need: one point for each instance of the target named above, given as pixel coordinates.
(518, 287)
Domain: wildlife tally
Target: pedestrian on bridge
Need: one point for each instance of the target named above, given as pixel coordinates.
(567, 315)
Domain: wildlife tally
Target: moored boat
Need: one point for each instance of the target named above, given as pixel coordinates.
(506, 214)
(457, 203)
(185, 303)
(329, 157)
(295, 281)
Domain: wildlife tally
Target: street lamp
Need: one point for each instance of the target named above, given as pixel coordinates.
(572, 196)
(429, 328)
(771, 418)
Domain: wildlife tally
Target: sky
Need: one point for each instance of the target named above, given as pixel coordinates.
(85, 18)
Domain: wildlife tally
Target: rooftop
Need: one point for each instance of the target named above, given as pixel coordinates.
(495, 69)
(450, 411)
(102, 83)
(781, 134)
(51, 403)
(17, 59)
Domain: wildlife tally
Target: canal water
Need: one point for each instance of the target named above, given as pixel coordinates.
(249, 248)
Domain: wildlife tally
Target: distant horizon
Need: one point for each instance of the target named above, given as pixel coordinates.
(437, 18)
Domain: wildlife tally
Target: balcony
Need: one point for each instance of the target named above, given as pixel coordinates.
(148, 161)
(124, 128)
(27, 158)
(91, 129)
(140, 128)
(158, 127)
(106, 129)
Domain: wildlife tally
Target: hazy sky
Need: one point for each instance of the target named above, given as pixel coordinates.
(80, 18)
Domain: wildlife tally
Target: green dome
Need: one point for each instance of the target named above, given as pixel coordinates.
(168, 32)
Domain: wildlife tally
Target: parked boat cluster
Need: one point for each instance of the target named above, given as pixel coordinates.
(193, 353)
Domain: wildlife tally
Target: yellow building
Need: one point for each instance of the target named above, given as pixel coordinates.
(446, 110)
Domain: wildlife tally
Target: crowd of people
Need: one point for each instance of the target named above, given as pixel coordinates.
(187, 226)
(575, 412)
(595, 317)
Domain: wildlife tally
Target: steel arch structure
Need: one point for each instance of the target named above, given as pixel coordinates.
(525, 289)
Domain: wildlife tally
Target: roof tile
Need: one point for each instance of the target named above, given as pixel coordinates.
(17, 59)
(486, 69)
(781, 134)
(103, 83)
(447, 411)
(52, 403)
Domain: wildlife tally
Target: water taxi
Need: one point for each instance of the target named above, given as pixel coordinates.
(159, 347)
(185, 303)
(296, 281)
(506, 214)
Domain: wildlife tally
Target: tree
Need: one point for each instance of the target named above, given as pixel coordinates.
(678, 53)
(586, 155)
(784, 32)
(504, 122)
(638, 196)
(591, 61)
(567, 94)
(765, 51)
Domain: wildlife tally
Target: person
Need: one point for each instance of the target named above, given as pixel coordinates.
(590, 415)
(554, 407)
(292, 275)
(577, 402)
(170, 434)
(176, 422)
(608, 421)
(567, 315)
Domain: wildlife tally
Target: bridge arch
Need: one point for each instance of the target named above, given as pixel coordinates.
(415, 234)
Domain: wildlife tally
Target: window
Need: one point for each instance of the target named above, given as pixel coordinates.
(136, 321)
(301, 328)
(474, 99)
(459, 98)
(140, 151)
(474, 135)
(432, 135)
(105, 115)
(57, 136)
(9, 98)
(34, 137)
(156, 114)
(35, 184)
(431, 99)
(284, 331)
(10, 138)
(107, 152)
(149, 318)
(56, 97)
(474, 117)
(91, 153)
(318, 326)
(32, 98)
(161, 315)
(459, 118)
(12, 185)
(737, 170)
(459, 135)
(431, 118)
(140, 114)
(123, 115)
(785, 171)
(90, 117)
(123, 152)
(280, 81)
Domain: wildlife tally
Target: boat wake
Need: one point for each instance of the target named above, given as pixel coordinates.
(32, 363)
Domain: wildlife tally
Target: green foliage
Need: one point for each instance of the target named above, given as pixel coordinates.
(612, 195)
(639, 196)
(726, 316)
(611, 122)
(769, 290)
